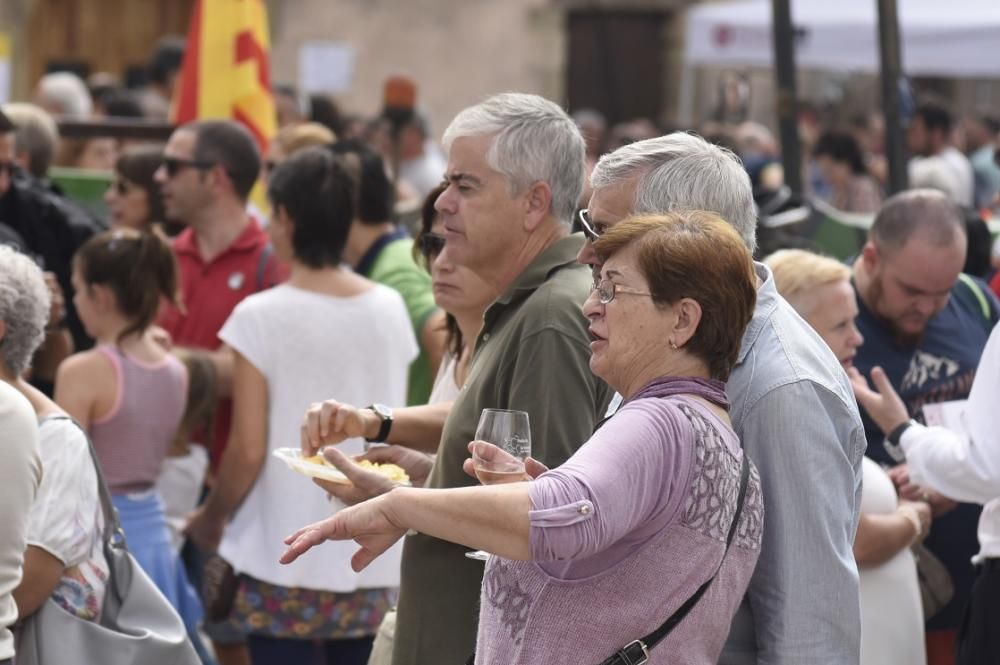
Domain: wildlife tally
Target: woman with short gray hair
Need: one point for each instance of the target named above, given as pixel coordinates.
(64, 559)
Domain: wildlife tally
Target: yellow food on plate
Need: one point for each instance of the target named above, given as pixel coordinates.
(392, 471)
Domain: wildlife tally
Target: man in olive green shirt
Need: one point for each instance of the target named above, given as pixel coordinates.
(515, 173)
(533, 351)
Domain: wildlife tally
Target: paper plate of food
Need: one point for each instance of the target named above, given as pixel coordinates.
(316, 466)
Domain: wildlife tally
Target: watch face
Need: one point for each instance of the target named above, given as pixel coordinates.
(382, 410)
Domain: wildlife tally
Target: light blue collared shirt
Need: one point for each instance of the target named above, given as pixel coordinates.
(794, 411)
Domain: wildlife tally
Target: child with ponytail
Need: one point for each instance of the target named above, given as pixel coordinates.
(129, 393)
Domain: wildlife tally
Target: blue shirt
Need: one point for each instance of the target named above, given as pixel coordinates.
(794, 410)
(939, 368)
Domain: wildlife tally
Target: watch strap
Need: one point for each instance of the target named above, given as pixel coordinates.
(384, 427)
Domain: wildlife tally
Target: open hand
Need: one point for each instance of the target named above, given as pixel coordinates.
(369, 524)
(882, 404)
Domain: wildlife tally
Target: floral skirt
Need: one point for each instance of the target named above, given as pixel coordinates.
(308, 614)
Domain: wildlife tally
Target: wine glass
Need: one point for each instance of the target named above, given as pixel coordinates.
(503, 461)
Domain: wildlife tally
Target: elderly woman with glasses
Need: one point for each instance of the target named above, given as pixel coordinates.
(659, 511)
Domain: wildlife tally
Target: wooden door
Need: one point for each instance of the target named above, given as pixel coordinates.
(88, 36)
(616, 63)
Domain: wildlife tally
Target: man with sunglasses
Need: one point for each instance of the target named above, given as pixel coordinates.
(792, 407)
(208, 170)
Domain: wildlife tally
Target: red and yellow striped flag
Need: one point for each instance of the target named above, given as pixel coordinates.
(226, 72)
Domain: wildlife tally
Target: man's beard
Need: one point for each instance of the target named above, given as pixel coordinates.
(900, 337)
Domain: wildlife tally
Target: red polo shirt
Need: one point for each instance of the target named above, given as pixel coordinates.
(210, 291)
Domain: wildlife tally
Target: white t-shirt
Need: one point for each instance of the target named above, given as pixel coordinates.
(892, 618)
(66, 519)
(311, 347)
(445, 389)
(20, 474)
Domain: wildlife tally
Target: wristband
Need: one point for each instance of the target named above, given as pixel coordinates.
(911, 516)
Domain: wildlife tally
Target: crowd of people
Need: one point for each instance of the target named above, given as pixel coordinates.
(738, 455)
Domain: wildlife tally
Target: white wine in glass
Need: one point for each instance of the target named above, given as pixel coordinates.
(503, 461)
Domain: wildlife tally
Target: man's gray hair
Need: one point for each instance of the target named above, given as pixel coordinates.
(533, 140)
(66, 92)
(24, 309)
(35, 134)
(683, 171)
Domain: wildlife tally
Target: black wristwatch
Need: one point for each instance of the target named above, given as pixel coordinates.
(892, 440)
(385, 413)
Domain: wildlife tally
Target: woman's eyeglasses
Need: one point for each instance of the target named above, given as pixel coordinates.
(607, 290)
(431, 245)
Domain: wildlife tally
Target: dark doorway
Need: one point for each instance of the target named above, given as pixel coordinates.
(616, 63)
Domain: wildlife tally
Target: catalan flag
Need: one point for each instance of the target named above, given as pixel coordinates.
(226, 72)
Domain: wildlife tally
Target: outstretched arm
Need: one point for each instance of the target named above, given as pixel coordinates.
(493, 518)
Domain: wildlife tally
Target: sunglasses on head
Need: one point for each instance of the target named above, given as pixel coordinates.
(431, 245)
(173, 165)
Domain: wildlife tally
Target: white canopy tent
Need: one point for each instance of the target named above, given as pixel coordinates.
(954, 38)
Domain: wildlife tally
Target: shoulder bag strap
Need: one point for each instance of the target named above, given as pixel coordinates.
(637, 652)
(113, 537)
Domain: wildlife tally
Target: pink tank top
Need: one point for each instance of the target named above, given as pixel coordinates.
(132, 440)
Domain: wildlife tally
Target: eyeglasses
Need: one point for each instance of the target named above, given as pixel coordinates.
(607, 290)
(173, 165)
(593, 230)
(431, 245)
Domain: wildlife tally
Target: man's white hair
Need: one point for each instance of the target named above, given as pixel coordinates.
(24, 309)
(533, 140)
(682, 171)
(66, 94)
